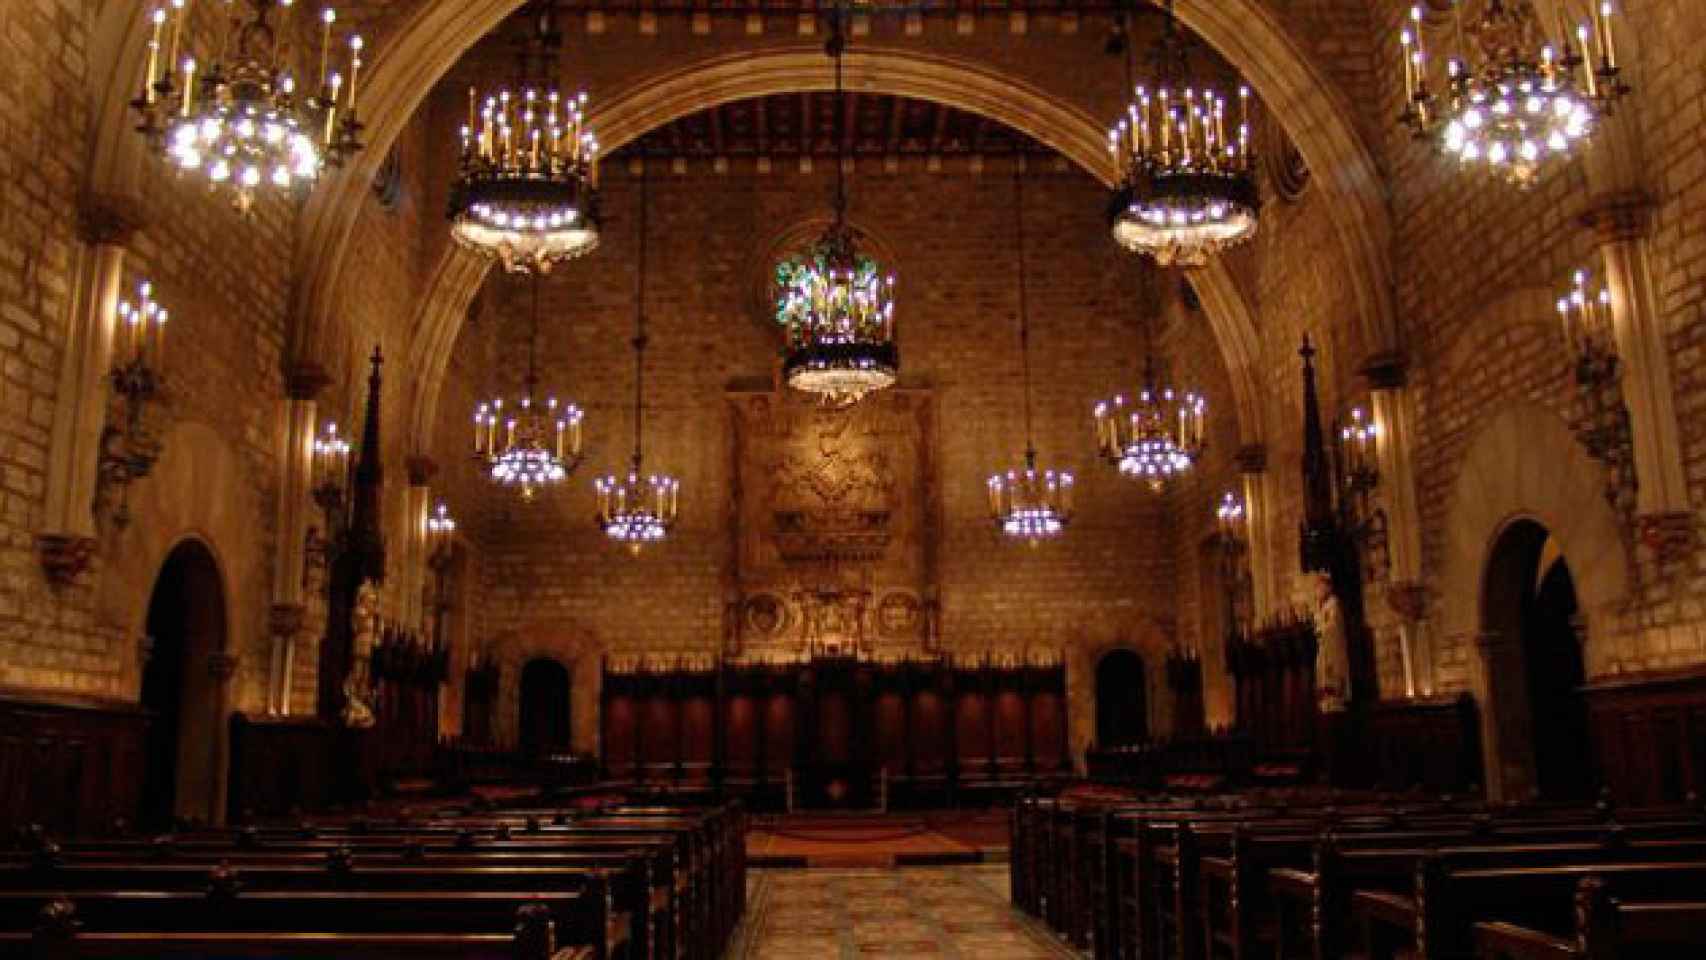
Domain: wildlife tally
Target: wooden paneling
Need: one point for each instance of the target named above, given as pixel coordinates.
(837, 725)
(280, 765)
(1428, 742)
(1649, 735)
(71, 765)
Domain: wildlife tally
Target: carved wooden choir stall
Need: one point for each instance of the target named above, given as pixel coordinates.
(838, 731)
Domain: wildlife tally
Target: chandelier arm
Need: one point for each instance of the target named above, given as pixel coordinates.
(640, 339)
(1024, 309)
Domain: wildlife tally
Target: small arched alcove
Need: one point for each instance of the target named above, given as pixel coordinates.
(1535, 665)
(1122, 715)
(544, 727)
(181, 681)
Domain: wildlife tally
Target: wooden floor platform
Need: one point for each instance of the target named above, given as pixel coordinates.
(841, 840)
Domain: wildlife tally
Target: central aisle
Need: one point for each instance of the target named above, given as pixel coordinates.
(830, 914)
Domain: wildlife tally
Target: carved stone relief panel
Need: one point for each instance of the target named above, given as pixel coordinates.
(833, 511)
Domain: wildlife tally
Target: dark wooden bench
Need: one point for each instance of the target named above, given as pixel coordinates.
(57, 933)
(1437, 920)
(1606, 928)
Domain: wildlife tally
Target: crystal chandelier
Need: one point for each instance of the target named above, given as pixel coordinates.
(1028, 503)
(838, 309)
(241, 120)
(531, 445)
(638, 509)
(1187, 186)
(1526, 101)
(526, 187)
(1154, 437)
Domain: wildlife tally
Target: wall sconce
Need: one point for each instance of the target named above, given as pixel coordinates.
(440, 541)
(130, 448)
(329, 480)
(1358, 453)
(1602, 423)
(1235, 581)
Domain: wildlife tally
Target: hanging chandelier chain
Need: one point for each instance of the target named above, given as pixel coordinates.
(533, 344)
(1024, 310)
(836, 46)
(640, 338)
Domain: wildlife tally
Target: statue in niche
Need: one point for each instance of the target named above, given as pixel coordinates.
(1332, 659)
(358, 684)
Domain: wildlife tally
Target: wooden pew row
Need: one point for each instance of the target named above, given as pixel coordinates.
(1113, 878)
(1606, 927)
(58, 933)
(413, 841)
(1438, 920)
(1312, 904)
(611, 907)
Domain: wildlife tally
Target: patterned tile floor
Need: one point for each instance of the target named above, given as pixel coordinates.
(955, 913)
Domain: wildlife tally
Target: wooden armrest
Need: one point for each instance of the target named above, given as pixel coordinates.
(1507, 941)
(1292, 883)
(1219, 867)
(1396, 909)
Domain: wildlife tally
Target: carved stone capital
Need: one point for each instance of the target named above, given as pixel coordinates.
(1408, 599)
(65, 557)
(108, 219)
(1620, 217)
(1252, 458)
(420, 469)
(304, 381)
(285, 619)
(1670, 536)
(1387, 370)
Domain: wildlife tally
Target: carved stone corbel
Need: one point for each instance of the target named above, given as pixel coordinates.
(1408, 599)
(1669, 536)
(65, 558)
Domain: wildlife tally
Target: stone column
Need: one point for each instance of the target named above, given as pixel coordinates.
(1258, 520)
(421, 469)
(67, 537)
(1394, 417)
(303, 384)
(1622, 225)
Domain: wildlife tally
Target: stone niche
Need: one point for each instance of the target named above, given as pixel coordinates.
(835, 517)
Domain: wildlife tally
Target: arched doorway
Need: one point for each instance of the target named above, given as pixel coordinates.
(544, 727)
(1535, 664)
(180, 688)
(1122, 715)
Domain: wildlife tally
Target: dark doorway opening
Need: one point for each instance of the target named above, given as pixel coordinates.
(186, 627)
(1122, 715)
(1530, 602)
(544, 708)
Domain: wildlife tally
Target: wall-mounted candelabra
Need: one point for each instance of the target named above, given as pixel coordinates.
(440, 544)
(1356, 460)
(1230, 522)
(1602, 420)
(329, 469)
(130, 444)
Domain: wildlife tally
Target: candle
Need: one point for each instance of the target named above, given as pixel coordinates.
(355, 44)
(159, 331)
(332, 106)
(1587, 57)
(327, 16)
(1409, 72)
(1608, 48)
(183, 13)
(159, 18)
(189, 84)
